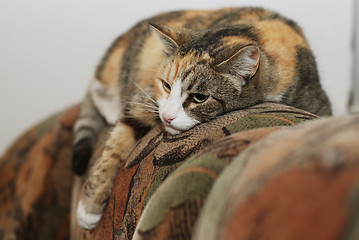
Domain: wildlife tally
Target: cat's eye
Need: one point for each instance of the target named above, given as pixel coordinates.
(199, 98)
(166, 86)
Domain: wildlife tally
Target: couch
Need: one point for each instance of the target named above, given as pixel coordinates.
(267, 172)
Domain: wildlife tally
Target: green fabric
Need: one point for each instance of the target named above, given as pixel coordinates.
(191, 180)
(185, 190)
(307, 172)
(257, 119)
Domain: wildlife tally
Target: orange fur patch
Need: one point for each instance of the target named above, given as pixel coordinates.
(149, 60)
(280, 41)
(111, 69)
(231, 41)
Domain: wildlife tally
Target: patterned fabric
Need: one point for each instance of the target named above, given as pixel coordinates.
(269, 180)
(300, 183)
(173, 209)
(157, 155)
(36, 179)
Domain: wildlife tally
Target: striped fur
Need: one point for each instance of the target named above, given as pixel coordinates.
(184, 68)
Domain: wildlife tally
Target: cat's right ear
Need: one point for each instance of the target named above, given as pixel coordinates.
(244, 62)
(168, 37)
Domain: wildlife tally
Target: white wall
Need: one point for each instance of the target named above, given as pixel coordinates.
(354, 98)
(49, 49)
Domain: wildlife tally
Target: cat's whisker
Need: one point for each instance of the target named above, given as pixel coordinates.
(149, 110)
(140, 42)
(141, 99)
(146, 105)
(146, 26)
(154, 101)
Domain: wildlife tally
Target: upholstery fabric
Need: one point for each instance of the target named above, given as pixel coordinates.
(157, 155)
(36, 181)
(299, 183)
(261, 173)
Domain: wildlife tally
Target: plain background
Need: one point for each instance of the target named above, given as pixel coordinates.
(49, 49)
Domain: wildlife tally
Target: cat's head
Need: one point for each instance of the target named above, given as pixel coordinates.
(195, 85)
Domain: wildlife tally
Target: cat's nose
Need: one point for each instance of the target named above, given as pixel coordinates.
(167, 118)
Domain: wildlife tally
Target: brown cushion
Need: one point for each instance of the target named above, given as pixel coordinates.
(36, 179)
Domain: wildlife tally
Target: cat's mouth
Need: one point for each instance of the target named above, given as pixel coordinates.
(172, 130)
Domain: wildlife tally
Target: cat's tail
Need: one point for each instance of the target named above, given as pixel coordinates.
(86, 130)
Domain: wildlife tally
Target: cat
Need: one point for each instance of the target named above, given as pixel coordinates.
(184, 68)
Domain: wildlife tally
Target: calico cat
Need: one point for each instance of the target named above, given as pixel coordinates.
(184, 68)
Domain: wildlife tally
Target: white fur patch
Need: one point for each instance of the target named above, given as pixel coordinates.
(274, 98)
(172, 108)
(84, 219)
(107, 103)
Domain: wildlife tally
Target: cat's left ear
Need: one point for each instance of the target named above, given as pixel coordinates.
(167, 35)
(244, 62)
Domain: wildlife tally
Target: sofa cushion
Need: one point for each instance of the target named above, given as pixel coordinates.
(36, 181)
(157, 155)
(37, 186)
(298, 183)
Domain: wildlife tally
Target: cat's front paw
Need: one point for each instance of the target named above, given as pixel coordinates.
(85, 219)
